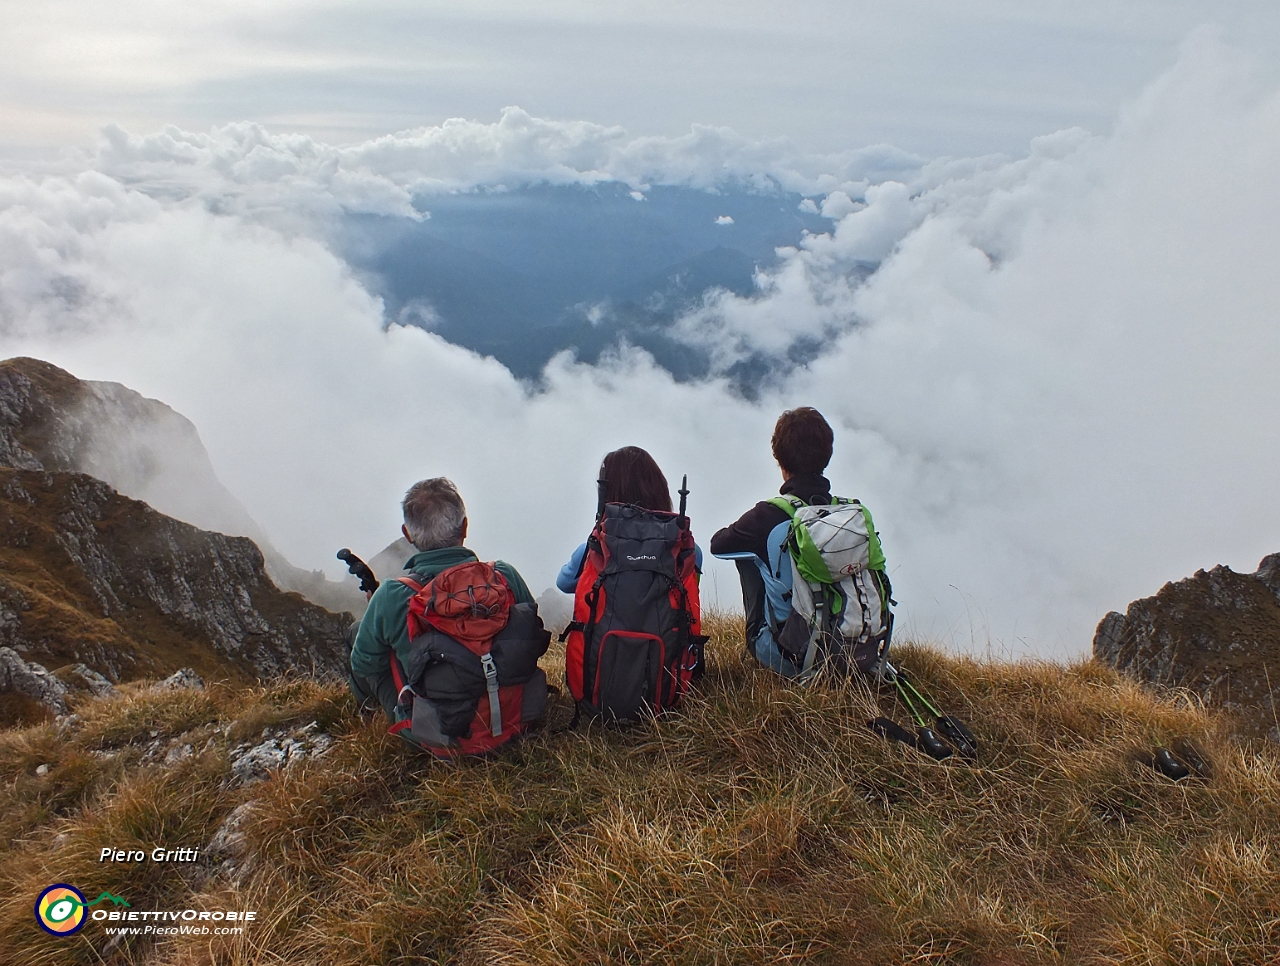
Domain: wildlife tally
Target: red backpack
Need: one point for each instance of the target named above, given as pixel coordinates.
(635, 644)
(472, 681)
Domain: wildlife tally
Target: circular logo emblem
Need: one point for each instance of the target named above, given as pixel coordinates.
(60, 909)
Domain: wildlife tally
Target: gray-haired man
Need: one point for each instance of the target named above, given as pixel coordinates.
(435, 522)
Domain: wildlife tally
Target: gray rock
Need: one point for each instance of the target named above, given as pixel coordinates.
(257, 763)
(32, 680)
(228, 849)
(179, 680)
(92, 681)
(280, 750)
(179, 753)
(1269, 573)
(12, 602)
(228, 841)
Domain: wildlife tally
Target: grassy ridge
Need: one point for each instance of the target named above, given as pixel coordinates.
(765, 824)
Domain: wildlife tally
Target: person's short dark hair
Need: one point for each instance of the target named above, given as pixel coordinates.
(434, 514)
(632, 476)
(802, 441)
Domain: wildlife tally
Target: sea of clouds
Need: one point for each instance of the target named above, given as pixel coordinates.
(1057, 390)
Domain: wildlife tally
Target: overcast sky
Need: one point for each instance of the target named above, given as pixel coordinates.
(957, 77)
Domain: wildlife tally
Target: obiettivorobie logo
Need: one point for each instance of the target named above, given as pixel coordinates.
(60, 910)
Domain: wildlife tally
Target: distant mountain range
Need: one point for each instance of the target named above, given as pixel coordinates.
(523, 274)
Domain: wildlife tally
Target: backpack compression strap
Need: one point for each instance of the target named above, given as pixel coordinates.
(491, 684)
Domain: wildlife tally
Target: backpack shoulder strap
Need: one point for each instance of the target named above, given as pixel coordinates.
(404, 692)
(414, 582)
(805, 553)
(787, 504)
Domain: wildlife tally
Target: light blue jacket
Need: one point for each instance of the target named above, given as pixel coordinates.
(776, 573)
(567, 579)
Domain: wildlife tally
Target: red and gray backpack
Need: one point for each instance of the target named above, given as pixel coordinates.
(635, 644)
(471, 682)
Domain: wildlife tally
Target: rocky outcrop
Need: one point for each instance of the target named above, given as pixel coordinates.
(32, 681)
(279, 748)
(50, 420)
(89, 577)
(228, 850)
(182, 679)
(82, 678)
(1217, 633)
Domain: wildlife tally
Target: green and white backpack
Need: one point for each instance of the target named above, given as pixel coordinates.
(840, 618)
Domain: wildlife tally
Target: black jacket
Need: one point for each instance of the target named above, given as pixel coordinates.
(750, 533)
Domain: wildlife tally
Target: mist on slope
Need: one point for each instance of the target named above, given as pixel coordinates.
(1054, 390)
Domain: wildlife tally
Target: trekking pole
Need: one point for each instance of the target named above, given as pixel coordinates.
(358, 568)
(684, 495)
(887, 727)
(925, 739)
(602, 486)
(929, 743)
(952, 728)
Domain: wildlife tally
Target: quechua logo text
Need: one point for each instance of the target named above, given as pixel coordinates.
(60, 910)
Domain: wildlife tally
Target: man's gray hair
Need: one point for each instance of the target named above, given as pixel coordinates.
(434, 514)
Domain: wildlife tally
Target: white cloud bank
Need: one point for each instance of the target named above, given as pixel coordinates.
(245, 169)
(1056, 392)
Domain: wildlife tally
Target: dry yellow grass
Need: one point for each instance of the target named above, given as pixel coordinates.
(764, 824)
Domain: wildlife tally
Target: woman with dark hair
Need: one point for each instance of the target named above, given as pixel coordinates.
(631, 476)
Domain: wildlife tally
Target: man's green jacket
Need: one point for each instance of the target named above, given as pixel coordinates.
(385, 624)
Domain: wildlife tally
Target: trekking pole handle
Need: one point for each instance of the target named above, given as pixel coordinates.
(602, 487)
(684, 496)
(358, 568)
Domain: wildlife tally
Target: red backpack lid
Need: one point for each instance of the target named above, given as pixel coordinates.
(470, 602)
